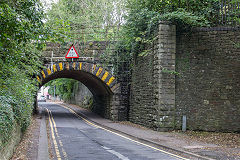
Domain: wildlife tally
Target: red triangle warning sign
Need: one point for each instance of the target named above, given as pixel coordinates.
(72, 53)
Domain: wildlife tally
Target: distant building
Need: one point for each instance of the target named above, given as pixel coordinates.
(44, 91)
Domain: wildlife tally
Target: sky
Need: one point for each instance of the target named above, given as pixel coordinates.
(47, 3)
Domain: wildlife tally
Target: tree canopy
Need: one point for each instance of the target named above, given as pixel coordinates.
(22, 37)
(69, 18)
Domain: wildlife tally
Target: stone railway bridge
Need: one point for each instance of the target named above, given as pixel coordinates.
(193, 75)
(87, 69)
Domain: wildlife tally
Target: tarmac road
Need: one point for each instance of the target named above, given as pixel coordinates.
(75, 138)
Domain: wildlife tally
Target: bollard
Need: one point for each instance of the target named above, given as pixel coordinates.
(184, 123)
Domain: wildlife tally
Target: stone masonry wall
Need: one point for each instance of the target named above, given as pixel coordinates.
(142, 109)
(194, 74)
(88, 49)
(113, 107)
(152, 102)
(84, 98)
(164, 77)
(124, 91)
(7, 151)
(208, 87)
(81, 95)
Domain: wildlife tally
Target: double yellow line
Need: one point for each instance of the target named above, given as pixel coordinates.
(94, 125)
(54, 128)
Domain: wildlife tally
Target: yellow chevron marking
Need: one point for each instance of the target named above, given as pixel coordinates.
(74, 65)
(99, 71)
(49, 71)
(80, 66)
(105, 76)
(53, 136)
(110, 81)
(54, 68)
(43, 74)
(94, 67)
(67, 65)
(38, 78)
(60, 66)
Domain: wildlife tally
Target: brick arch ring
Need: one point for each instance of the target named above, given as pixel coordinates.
(98, 80)
(94, 69)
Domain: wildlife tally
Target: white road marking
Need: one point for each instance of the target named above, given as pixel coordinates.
(90, 123)
(120, 156)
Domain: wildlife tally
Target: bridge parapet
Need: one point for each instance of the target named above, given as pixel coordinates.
(63, 59)
(88, 51)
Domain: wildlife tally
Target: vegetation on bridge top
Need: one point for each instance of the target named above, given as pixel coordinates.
(144, 16)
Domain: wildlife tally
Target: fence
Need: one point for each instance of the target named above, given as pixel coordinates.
(229, 12)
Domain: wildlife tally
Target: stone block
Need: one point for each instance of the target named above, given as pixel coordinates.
(164, 27)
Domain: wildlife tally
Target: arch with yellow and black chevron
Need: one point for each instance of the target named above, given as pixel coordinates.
(98, 80)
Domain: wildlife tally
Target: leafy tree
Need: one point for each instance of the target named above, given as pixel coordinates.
(70, 18)
(207, 9)
(143, 17)
(22, 37)
(64, 88)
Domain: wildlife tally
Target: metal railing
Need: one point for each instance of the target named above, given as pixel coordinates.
(229, 12)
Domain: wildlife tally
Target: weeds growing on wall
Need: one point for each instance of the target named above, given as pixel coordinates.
(143, 17)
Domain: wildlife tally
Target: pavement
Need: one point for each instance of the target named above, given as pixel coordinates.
(166, 140)
(43, 141)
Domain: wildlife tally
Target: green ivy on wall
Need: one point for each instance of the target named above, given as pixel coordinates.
(22, 37)
(143, 17)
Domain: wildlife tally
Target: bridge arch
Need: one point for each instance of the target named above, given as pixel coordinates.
(102, 84)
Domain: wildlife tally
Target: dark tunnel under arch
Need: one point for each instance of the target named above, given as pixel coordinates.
(98, 80)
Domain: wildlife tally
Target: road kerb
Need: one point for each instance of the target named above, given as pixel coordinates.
(140, 139)
(43, 140)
